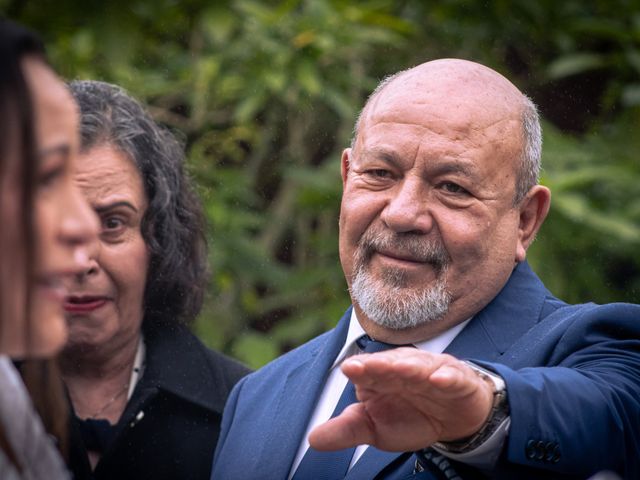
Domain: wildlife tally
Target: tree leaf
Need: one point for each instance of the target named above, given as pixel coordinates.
(574, 64)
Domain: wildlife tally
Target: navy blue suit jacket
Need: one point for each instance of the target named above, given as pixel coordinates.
(573, 383)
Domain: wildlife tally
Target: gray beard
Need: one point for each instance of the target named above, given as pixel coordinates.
(388, 300)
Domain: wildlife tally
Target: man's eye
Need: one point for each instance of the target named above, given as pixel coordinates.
(453, 188)
(379, 173)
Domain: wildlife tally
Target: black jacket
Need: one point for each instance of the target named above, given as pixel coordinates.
(171, 424)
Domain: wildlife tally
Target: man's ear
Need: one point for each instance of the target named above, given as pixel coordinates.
(533, 210)
(345, 164)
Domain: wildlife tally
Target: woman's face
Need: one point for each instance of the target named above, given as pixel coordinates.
(105, 304)
(65, 227)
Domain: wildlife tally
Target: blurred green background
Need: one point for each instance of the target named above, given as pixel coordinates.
(265, 94)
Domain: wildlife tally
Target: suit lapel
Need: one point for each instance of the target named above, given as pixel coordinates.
(297, 399)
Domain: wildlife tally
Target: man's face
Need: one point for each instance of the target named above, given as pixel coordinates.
(428, 230)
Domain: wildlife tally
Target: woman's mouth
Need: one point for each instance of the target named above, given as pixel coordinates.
(83, 304)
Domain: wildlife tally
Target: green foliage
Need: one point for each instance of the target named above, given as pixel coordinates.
(588, 248)
(265, 94)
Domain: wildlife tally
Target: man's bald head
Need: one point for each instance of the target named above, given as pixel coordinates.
(459, 91)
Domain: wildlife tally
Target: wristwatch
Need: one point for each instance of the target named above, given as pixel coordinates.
(499, 412)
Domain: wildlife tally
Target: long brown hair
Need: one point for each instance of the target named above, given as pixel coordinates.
(16, 111)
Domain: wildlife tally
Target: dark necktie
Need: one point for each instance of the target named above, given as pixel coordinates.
(316, 465)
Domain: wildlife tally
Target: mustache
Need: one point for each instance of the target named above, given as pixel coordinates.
(415, 246)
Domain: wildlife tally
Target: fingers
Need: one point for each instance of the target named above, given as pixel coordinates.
(409, 370)
(406, 363)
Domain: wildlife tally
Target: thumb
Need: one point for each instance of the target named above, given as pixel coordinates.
(349, 429)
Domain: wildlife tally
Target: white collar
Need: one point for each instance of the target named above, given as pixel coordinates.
(436, 344)
(138, 366)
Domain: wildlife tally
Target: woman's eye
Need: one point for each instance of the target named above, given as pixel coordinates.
(48, 177)
(112, 223)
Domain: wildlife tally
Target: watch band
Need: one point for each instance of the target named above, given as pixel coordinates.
(499, 412)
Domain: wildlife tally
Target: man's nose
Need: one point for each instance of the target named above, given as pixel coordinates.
(408, 208)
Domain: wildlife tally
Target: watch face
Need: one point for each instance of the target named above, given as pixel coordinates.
(485, 374)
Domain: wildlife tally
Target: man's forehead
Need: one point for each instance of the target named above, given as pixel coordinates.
(457, 91)
(420, 124)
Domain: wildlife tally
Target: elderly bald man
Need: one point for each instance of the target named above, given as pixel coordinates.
(455, 361)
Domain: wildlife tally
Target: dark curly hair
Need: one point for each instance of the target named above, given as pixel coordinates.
(173, 224)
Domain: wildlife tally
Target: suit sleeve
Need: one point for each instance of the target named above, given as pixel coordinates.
(581, 412)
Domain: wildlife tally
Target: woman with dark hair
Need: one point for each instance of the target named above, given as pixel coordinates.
(147, 396)
(47, 235)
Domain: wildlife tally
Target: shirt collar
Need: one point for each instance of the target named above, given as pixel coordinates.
(436, 344)
(138, 366)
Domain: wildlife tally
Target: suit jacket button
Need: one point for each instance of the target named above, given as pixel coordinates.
(548, 451)
(556, 454)
(539, 450)
(530, 450)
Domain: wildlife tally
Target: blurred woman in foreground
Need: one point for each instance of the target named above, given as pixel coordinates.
(147, 396)
(47, 234)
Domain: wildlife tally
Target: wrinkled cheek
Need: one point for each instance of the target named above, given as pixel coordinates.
(466, 251)
(346, 252)
(466, 269)
(358, 212)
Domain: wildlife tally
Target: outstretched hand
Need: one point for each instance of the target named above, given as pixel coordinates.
(408, 399)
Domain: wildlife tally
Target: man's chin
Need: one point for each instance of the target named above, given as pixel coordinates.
(395, 308)
(403, 324)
